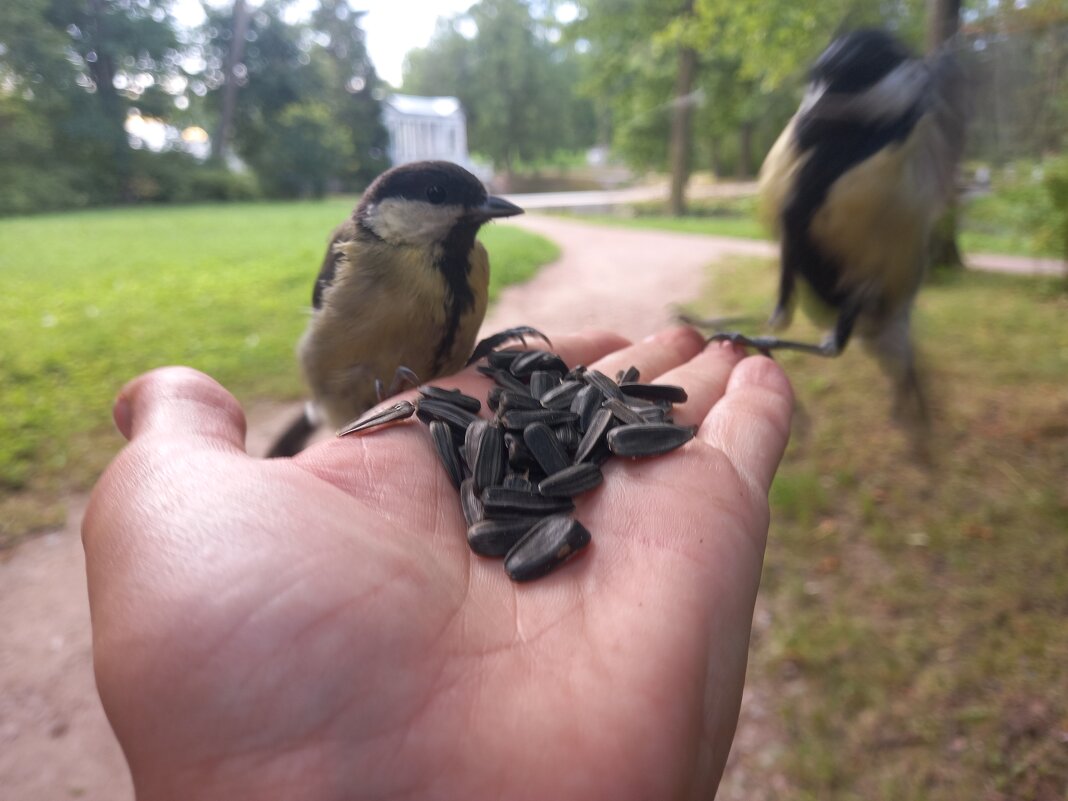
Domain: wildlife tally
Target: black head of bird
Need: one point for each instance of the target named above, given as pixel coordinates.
(853, 187)
(401, 292)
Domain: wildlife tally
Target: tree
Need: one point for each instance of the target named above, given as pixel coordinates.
(513, 78)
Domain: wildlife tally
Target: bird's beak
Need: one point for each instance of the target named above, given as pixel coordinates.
(495, 207)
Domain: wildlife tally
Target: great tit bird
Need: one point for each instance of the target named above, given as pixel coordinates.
(853, 186)
(401, 293)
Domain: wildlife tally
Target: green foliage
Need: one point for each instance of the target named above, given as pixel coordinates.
(1016, 217)
(1056, 186)
(93, 298)
(515, 82)
(301, 151)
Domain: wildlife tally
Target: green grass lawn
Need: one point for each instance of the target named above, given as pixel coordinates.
(917, 644)
(998, 223)
(92, 299)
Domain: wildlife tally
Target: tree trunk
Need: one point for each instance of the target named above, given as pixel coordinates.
(239, 28)
(716, 156)
(943, 21)
(103, 72)
(682, 130)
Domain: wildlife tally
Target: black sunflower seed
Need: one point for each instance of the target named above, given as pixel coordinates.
(648, 439)
(516, 481)
(446, 449)
(547, 545)
(453, 396)
(608, 387)
(502, 359)
(585, 405)
(488, 467)
(654, 414)
(622, 412)
(522, 401)
(505, 501)
(571, 481)
(561, 396)
(509, 381)
(655, 392)
(493, 397)
(575, 373)
(536, 360)
(398, 411)
(521, 418)
(630, 375)
(602, 421)
(472, 435)
(547, 450)
(429, 409)
(498, 537)
(568, 436)
(541, 381)
(470, 502)
(519, 456)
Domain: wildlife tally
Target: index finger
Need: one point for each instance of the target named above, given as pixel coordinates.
(751, 423)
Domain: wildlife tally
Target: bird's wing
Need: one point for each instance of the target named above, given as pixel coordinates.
(343, 233)
(946, 101)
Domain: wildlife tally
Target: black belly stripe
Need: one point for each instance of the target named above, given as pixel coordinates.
(835, 148)
(455, 266)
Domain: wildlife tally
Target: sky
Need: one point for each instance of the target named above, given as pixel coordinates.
(393, 26)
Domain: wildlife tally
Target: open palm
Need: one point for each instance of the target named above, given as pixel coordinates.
(317, 627)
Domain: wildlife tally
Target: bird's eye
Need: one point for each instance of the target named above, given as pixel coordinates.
(435, 194)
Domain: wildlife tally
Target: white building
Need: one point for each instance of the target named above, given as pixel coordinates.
(425, 128)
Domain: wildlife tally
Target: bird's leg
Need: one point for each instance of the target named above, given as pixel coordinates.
(490, 343)
(832, 346)
(402, 376)
(713, 322)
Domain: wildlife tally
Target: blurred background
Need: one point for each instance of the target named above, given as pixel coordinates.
(170, 171)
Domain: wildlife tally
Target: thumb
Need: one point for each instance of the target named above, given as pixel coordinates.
(179, 402)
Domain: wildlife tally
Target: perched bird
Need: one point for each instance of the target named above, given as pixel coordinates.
(400, 295)
(853, 187)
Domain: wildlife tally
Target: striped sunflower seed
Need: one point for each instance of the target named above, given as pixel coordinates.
(546, 546)
(498, 537)
(516, 481)
(622, 412)
(655, 392)
(503, 501)
(472, 435)
(429, 409)
(585, 405)
(453, 396)
(547, 450)
(648, 439)
(608, 387)
(521, 418)
(572, 481)
(488, 468)
(629, 376)
(470, 502)
(561, 396)
(446, 449)
(533, 360)
(568, 436)
(541, 381)
(602, 421)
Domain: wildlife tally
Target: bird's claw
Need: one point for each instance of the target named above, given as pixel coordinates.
(494, 341)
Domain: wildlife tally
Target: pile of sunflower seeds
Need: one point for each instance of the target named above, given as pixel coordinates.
(552, 430)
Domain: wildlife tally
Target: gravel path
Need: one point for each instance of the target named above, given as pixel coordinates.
(54, 740)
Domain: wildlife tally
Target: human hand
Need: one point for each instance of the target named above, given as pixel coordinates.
(317, 628)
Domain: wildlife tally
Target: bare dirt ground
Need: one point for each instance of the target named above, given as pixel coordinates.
(55, 742)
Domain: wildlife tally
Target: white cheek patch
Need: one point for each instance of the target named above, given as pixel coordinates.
(411, 222)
